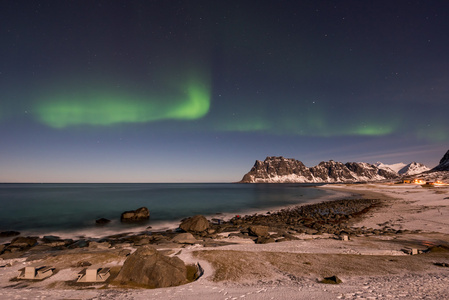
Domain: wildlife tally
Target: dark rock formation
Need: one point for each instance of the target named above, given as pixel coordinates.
(24, 242)
(51, 239)
(140, 214)
(331, 280)
(287, 170)
(102, 221)
(195, 224)
(149, 268)
(444, 163)
(79, 244)
(9, 233)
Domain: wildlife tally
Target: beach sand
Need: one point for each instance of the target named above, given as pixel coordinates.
(370, 266)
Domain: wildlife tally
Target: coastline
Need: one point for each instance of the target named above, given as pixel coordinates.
(370, 265)
(101, 231)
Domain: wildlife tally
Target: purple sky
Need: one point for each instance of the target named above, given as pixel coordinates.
(196, 91)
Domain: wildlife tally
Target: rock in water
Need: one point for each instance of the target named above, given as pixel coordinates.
(195, 224)
(102, 221)
(147, 267)
(140, 214)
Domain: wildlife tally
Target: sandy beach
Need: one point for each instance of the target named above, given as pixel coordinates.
(372, 265)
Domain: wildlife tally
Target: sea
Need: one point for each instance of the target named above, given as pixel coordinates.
(70, 210)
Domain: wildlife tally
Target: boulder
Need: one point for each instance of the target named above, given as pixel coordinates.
(79, 244)
(102, 221)
(51, 239)
(185, 238)
(83, 264)
(264, 240)
(140, 214)
(258, 230)
(147, 267)
(97, 245)
(23, 242)
(9, 233)
(195, 224)
(331, 280)
(142, 241)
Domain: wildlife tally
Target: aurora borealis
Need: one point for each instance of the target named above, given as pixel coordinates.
(101, 109)
(182, 91)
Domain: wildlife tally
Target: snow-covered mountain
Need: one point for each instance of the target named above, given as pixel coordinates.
(440, 172)
(413, 169)
(402, 169)
(288, 170)
(392, 167)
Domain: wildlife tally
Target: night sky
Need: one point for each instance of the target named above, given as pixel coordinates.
(196, 91)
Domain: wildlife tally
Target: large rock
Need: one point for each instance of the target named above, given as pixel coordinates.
(23, 242)
(9, 233)
(148, 267)
(140, 214)
(331, 280)
(258, 230)
(195, 224)
(104, 221)
(185, 238)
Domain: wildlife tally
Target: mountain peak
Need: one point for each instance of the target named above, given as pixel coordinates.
(413, 168)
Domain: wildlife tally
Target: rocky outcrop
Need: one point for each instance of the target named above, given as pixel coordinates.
(195, 224)
(140, 214)
(147, 267)
(444, 163)
(288, 170)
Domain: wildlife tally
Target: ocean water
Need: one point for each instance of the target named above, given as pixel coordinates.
(71, 209)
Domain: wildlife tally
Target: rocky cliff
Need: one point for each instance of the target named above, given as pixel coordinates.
(288, 170)
(444, 163)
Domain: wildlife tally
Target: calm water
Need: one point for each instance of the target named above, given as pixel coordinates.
(73, 208)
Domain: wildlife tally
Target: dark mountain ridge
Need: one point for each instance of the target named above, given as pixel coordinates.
(277, 169)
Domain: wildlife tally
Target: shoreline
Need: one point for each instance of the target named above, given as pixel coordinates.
(101, 231)
(409, 217)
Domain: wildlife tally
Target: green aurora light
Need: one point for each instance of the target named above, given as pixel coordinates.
(109, 108)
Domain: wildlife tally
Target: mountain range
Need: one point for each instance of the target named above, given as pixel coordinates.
(277, 169)
(402, 169)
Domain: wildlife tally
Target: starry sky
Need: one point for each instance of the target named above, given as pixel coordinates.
(196, 91)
